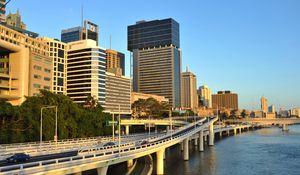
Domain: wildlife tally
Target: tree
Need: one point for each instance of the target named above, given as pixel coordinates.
(73, 120)
(150, 107)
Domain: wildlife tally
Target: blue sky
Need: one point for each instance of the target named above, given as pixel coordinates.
(251, 47)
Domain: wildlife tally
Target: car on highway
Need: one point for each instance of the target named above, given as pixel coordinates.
(18, 157)
(109, 144)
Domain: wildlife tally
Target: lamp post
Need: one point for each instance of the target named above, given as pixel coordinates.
(41, 127)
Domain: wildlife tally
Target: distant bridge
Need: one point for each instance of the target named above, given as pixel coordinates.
(268, 121)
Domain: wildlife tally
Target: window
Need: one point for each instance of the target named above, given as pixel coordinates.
(47, 70)
(46, 78)
(61, 53)
(37, 76)
(35, 67)
(47, 88)
(36, 85)
(60, 67)
(60, 81)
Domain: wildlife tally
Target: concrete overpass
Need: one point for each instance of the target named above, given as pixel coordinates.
(100, 159)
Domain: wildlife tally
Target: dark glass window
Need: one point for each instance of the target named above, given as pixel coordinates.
(60, 81)
(60, 67)
(61, 53)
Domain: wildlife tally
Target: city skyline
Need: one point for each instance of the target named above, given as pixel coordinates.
(251, 33)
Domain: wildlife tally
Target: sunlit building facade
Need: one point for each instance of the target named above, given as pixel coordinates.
(86, 66)
(156, 58)
(225, 99)
(25, 66)
(189, 96)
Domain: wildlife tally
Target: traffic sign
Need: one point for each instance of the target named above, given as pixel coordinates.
(110, 123)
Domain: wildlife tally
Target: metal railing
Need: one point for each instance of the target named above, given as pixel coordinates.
(98, 156)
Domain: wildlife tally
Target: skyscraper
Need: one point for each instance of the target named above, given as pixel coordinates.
(88, 31)
(225, 99)
(189, 97)
(86, 71)
(156, 58)
(264, 104)
(115, 61)
(2, 11)
(205, 96)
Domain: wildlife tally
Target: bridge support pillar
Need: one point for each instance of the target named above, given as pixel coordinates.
(285, 127)
(240, 130)
(102, 170)
(234, 131)
(186, 149)
(129, 163)
(228, 132)
(201, 144)
(168, 129)
(78, 173)
(127, 129)
(160, 161)
(211, 135)
(181, 146)
(196, 141)
(155, 129)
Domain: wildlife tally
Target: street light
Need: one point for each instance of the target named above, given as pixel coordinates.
(41, 127)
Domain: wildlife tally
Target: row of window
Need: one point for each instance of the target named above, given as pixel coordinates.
(39, 77)
(36, 67)
(38, 86)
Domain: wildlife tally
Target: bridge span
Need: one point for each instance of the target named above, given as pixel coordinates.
(284, 122)
(97, 158)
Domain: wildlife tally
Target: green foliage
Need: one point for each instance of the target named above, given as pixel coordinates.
(22, 123)
(150, 107)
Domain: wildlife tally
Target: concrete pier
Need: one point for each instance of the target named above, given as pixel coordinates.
(160, 161)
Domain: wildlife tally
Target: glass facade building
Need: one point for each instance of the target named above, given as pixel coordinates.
(89, 31)
(153, 33)
(156, 58)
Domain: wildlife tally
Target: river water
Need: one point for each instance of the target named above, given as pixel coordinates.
(268, 151)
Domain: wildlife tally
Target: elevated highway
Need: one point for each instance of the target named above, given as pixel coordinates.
(100, 159)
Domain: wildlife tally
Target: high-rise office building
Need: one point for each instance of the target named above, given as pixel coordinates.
(189, 96)
(58, 54)
(225, 99)
(264, 104)
(271, 109)
(86, 66)
(2, 10)
(115, 62)
(156, 58)
(25, 67)
(205, 96)
(88, 31)
(118, 93)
